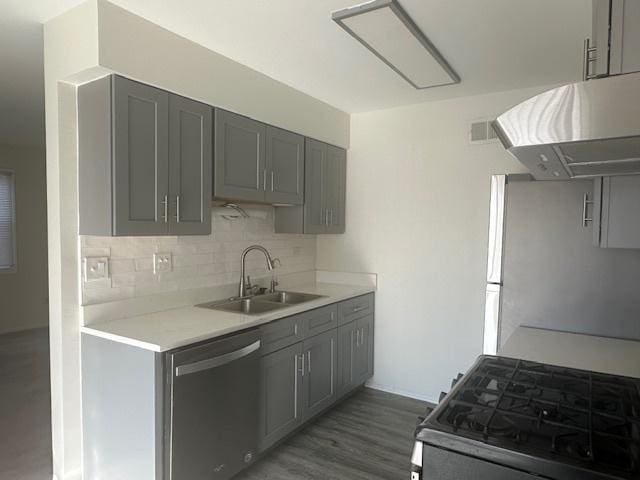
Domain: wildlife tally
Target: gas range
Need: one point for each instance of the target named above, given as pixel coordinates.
(515, 419)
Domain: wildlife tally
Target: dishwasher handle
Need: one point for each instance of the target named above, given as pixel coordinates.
(218, 361)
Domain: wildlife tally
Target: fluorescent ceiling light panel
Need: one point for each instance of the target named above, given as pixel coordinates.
(385, 28)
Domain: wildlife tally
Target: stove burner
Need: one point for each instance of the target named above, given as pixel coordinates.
(586, 419)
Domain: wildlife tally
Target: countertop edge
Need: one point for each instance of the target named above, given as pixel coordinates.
(101, 329)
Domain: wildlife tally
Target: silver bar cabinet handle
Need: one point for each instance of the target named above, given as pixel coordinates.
(264, 179)
(177, 208)
(272, 175)
(302, 364)
(165, 203)
(585, 208)
(308, 361)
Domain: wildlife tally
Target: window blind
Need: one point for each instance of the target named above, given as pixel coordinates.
(7, 221)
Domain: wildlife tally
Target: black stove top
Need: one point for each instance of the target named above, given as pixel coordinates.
(549, 420)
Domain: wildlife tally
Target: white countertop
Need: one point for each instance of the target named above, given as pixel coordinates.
(586, 352)
(177, 327)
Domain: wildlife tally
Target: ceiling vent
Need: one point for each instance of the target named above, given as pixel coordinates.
(391, 35)
(481, 131)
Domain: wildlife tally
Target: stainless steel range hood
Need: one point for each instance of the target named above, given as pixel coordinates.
(580, 130)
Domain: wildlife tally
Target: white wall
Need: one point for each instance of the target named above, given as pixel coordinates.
(417, 215)
(89, 40)
(142, 50)
(23, 294)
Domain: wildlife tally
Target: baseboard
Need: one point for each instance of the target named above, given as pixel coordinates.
(404, 393)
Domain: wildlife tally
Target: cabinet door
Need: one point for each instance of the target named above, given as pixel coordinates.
(285, 167)
(315, 213)
(280, 394)
(190, 160)
(319, 381)
(628, 25)
(620, 220)
(600, 38)
(364, 350)
(345, 375)
(335, 181)
(239, 157)
(140, 158)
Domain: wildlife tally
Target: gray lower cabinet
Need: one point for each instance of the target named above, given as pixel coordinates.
(202, 410)
(144, 160)
(363, 363)
(355, 354)
(325, 193)
(345, 376)
(255, 162)
(319, 382)
(280, 395)
(616, 219)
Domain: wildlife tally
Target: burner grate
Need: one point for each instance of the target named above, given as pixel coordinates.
(583, 418)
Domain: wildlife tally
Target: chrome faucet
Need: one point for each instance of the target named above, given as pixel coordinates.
(270, 266)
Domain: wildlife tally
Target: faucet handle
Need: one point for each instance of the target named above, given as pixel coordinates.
(274, 284)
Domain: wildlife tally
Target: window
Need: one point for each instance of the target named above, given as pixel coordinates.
(7, 222)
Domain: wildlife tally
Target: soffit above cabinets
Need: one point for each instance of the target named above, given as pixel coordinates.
(390, 34)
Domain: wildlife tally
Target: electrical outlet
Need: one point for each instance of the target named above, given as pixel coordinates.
(96, 268)
(162, 262)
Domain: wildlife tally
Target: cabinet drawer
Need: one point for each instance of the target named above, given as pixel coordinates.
(355, 308)
(281, 333)
(319, 320)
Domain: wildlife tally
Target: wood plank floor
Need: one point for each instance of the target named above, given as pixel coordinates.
(25, 406)
(367, 437)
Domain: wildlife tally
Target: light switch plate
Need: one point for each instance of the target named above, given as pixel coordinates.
(162, 262)
(96, 268)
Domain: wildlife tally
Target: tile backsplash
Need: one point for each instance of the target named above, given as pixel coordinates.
(198, 261)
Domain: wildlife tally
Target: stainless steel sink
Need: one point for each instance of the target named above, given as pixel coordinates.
(289, 298)
(261, 303)
(249, 306)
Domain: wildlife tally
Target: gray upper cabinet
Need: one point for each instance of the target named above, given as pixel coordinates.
(325, 192)
(255, 162)
(240, 160)
(285, 167)
(614, 46)
(320, 379)
(140, 158)
(336, 174)
(190, 130)
(625, 36)
(145, 160)
(616, 212)
(315, 219)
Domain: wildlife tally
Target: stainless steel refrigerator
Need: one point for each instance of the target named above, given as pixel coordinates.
(543, 269)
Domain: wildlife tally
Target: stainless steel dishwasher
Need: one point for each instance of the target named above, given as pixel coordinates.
(212, 430)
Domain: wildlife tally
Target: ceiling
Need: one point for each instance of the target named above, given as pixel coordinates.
(494, 45)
